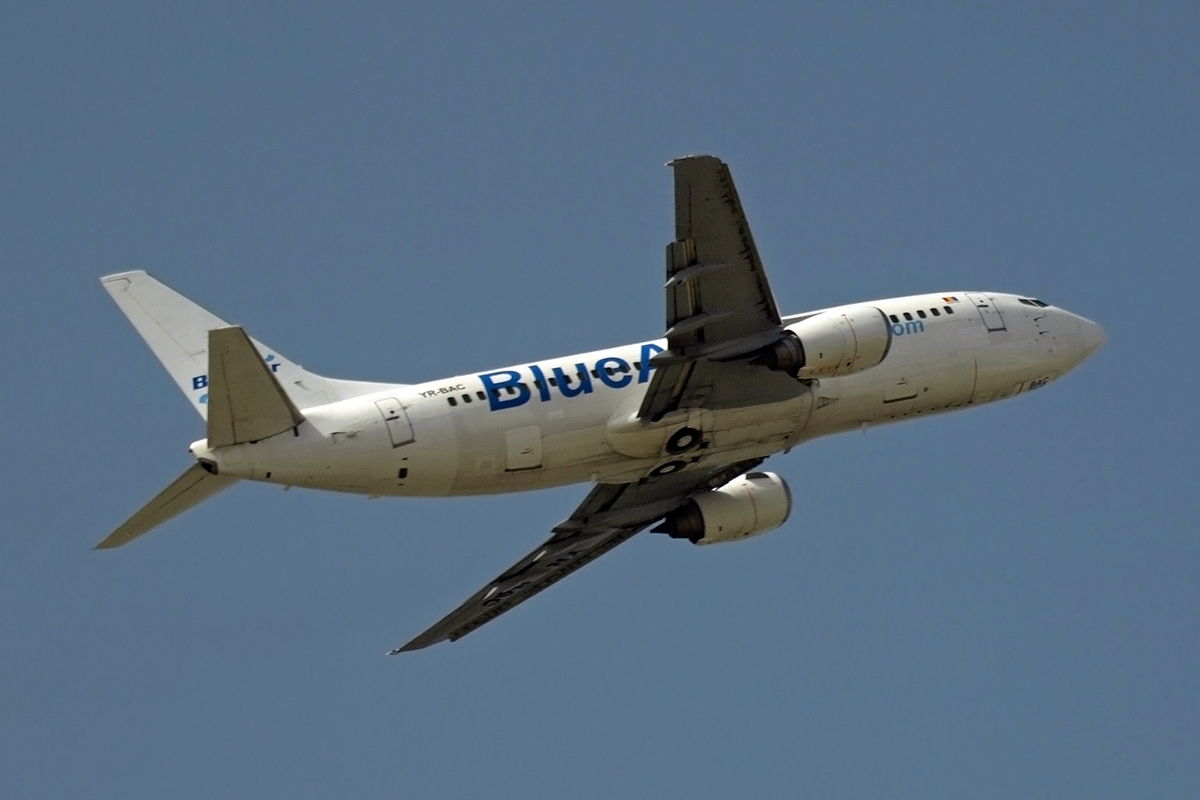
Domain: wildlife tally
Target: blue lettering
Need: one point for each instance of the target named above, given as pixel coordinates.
(648, 351)
(199, 382)
(512, 378)
(621, 368)
(539, 380)
(914, 326)
(585, 382)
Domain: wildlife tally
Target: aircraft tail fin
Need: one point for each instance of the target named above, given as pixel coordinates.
(176, 329)
(245, 401)
(190, 488)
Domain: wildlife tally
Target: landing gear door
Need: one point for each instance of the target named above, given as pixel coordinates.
(399, 428)
(988, 311)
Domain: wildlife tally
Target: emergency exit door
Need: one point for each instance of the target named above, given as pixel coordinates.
(524, 446)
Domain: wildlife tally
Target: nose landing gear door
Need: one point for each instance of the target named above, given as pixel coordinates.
(988, 311)
(399, 428)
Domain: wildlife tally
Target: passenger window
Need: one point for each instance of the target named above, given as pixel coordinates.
(466, 398)
(894, 318)
(936, 313)
(948, 309)
(637, 365)
(481, 395)
(595, 374)
(567, 380)
(908, 316)
(921, 314)
(451, 401)
(553, 381)
(510, 390)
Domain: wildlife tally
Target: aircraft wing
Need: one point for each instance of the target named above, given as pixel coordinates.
(609, 515)
(719, 303)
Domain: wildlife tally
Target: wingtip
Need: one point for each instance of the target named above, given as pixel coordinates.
(693, 157)
(117, 276)
(408, 648)
(395, 651)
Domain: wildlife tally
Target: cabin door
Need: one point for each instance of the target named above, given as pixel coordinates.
(987, 309)
(399, 428)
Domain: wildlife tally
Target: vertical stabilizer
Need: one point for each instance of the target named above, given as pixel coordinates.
(177, 331)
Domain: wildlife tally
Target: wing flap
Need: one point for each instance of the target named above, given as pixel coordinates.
(719, 305)
(717, 289)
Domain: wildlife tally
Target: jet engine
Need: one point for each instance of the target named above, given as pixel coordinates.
(754, 503)
(831, 344)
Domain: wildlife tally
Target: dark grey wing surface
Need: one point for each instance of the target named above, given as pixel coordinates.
(719, 303)
(609, 515)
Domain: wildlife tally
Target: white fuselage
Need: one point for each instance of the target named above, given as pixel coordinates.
(528, 427)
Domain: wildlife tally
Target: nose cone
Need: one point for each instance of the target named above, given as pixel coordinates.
(1081, 337)
(1091, 336)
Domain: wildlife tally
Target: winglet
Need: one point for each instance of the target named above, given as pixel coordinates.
(245, 401)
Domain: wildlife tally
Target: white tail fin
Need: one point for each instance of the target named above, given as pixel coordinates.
(190, 488)
(177, 331)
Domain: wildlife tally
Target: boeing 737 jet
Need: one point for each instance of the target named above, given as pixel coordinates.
(670, 432)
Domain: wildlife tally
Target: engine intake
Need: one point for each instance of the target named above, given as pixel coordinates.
(749, 505)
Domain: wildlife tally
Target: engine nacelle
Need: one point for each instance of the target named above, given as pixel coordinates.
(754, 503)
(832, 344)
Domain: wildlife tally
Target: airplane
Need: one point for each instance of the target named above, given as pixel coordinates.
(671, 432)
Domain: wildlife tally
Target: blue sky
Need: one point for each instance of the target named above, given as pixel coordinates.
(996, 603)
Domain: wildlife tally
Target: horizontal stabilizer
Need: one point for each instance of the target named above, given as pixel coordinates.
(190, 488)
(245, 401)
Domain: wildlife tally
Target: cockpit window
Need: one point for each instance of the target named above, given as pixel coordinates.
(1031, 302)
